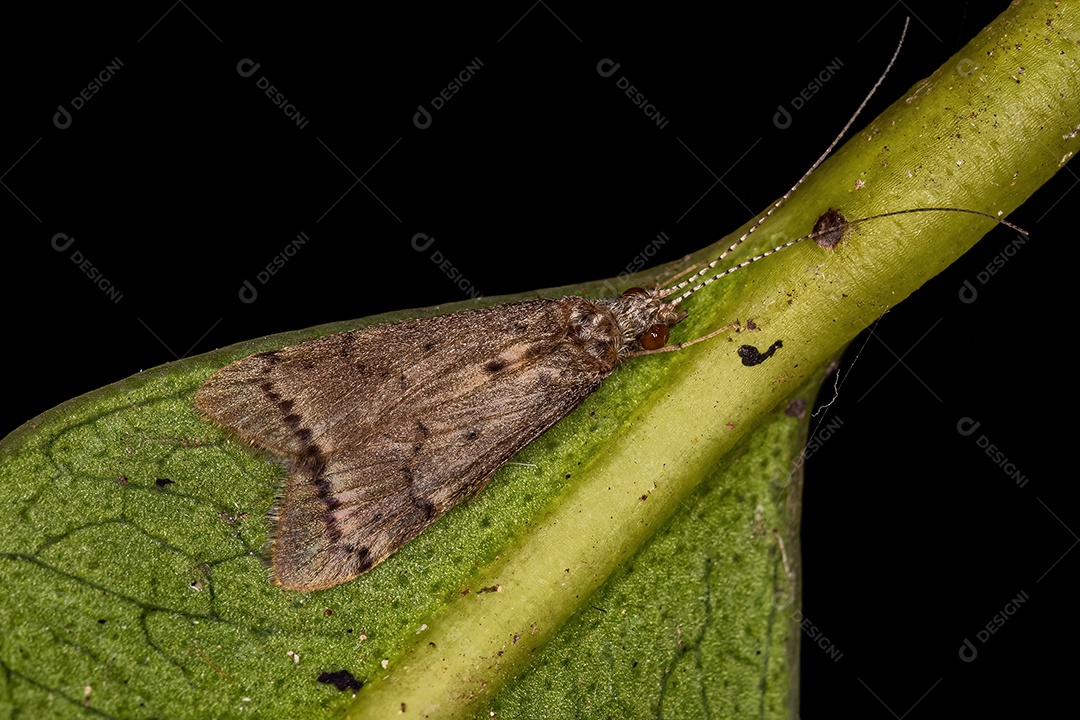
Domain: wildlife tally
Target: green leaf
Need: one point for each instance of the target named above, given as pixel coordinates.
(640, 558)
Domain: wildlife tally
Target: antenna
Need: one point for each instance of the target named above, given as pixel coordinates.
(842, 227)
(843, 224)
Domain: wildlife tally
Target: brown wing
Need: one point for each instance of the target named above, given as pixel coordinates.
(387, 428)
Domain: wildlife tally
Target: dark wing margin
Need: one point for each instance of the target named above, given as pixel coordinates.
(386, 428)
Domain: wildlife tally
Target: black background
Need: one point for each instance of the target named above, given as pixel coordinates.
(179, 180)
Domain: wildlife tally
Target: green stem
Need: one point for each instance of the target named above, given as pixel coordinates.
(984, 132)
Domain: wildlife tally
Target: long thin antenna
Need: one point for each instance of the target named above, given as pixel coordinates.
(783, 199)
(998, 220)
(830, 230)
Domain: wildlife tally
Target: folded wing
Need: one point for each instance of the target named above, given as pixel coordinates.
(386, 428)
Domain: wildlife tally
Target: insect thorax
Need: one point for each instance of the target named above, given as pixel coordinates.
(608, 330)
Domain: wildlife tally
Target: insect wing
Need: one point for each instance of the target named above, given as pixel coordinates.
(387, 428)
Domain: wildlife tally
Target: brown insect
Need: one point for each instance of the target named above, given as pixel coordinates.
(384, 429)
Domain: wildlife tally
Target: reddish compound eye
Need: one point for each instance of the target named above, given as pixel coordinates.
(655, 337)
(634, 291)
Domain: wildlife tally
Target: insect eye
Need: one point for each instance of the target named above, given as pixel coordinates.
(634, 291)
(655, 337)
